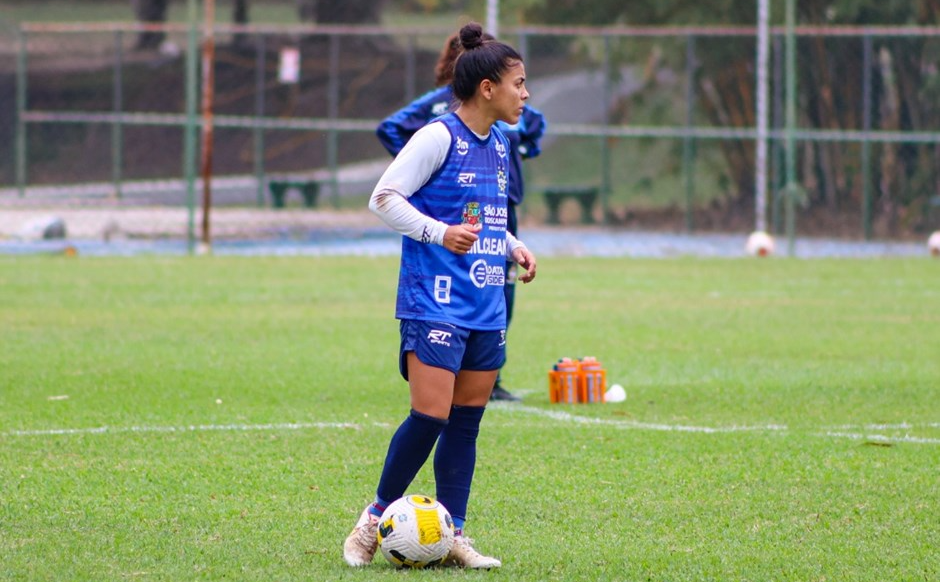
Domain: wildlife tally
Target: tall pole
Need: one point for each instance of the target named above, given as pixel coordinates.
(189, 132)
(791, 188)
(208, 87)
(492, 17)
(760, 170)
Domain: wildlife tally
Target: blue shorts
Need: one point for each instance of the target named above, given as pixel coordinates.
(444, 345)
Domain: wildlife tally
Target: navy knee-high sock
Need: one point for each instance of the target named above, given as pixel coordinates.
(407, 452)
(456, 458)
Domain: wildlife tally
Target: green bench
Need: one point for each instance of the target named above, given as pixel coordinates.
(279, 186)
(586, 196)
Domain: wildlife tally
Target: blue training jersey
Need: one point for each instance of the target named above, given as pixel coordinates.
(470, 187)
(395, 131)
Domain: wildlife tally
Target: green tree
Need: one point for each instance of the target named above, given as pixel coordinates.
(905, 97)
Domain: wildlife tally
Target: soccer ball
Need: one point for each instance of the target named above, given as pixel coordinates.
(933, 244)
(415, 532)
(759, 244)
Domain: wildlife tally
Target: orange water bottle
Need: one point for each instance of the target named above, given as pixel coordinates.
(593, 385)
(564, 381)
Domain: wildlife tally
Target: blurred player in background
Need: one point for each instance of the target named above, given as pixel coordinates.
(395, 131)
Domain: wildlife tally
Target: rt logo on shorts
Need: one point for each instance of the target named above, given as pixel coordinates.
(439, 337)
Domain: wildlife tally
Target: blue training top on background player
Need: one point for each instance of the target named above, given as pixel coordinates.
(395, 131)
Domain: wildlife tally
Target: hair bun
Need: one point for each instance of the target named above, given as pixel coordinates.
(471, 36)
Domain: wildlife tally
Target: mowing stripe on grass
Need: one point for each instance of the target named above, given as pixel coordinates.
(882, 439)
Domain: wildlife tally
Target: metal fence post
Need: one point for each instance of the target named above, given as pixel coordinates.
(688, 143)
(332, 144)
(776, 157)
(260, 61)
(117, 130)
(605, 138)
(20, 110)
(523, 49)
(866, 127)
(410, 66)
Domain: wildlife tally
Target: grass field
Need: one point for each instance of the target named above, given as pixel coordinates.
(226, 418)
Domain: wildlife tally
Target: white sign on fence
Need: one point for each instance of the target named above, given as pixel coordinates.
(288, 70)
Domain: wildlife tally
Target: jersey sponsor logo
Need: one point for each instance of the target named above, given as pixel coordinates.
(483, 274)
(497, 216)
(439, 108)
(500, 149)
(465, 179)
(495, 211)
(439, 337)
(463, 146)
(489, 246)
(471, 213)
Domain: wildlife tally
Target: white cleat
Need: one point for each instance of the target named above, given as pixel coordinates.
(362, 542)
(463, 555)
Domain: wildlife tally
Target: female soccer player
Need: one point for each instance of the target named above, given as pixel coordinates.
(446, 193)
(395, 130)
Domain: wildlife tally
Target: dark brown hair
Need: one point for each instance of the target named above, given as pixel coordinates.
(444, 69)
(483, 57)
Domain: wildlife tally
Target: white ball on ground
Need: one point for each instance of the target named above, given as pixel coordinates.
(615, 393)
(759, 244)
(933, 244)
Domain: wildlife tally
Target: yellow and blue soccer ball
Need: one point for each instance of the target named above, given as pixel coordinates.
(416, 531)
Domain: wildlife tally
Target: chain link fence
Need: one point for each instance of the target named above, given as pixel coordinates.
(657, 122)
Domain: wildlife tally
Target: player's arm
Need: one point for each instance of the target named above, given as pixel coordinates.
(532, 129)
(395, 130)
(518, 252)
(421, 157)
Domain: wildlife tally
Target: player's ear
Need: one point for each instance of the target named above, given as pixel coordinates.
(486, 88)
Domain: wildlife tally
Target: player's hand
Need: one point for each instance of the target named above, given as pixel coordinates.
(459, 238)
(525, 259)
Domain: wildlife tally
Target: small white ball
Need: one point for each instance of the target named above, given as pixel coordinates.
(759, 244)
(933, 244)
(615, 393)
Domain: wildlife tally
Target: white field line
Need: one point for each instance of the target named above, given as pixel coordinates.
(189, 428)
(563, 416)
(898, 426)
(556, 415)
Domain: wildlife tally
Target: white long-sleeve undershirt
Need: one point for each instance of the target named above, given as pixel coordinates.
(414, 165)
